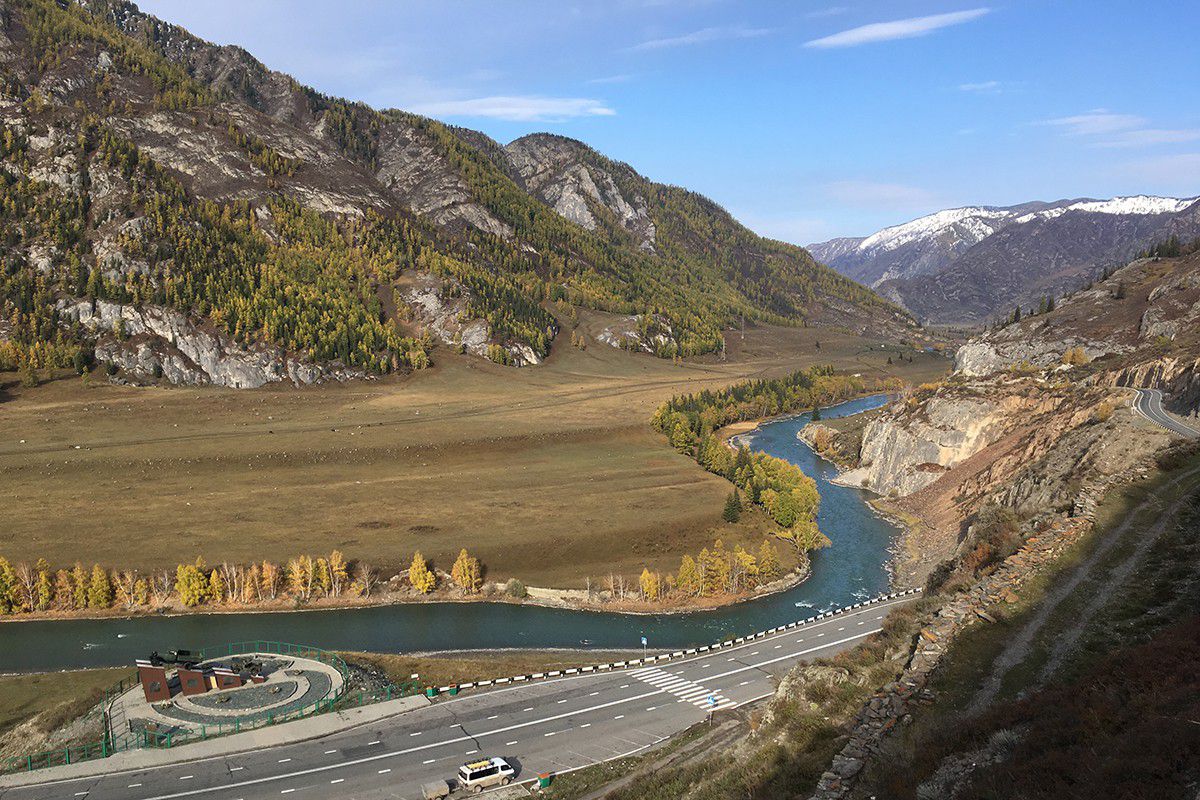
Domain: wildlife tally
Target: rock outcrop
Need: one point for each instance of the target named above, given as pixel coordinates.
(440, 305)
(905, 451)
(156, 343)
(560, 172)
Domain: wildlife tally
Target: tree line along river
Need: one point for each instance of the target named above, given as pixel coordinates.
(852, 569)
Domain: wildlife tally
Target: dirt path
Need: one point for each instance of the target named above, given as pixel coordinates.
(1019, 646)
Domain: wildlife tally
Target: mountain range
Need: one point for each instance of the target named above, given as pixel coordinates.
(179, 210)
(962, 266)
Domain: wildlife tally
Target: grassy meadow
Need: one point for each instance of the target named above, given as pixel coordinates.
(550, 474)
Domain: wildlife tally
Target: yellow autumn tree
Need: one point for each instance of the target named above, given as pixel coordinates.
(651, 583)
(419, 575)
(465, 572)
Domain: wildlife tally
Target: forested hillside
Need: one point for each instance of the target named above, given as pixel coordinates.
(174, 205)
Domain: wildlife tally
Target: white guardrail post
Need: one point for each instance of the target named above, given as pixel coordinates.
(681, 653)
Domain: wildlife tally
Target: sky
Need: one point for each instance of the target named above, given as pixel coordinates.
(807, 119)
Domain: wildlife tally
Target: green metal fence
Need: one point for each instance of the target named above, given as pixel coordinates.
(117, 741)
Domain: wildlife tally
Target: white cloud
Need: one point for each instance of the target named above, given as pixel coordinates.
(1094, 122)
(702, 36)
(875, 195)
(982, 87)
(897, 29)
(1146, 137)
(518, 108)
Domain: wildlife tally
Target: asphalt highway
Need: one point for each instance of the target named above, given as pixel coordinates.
(1149, 404)
(549, 726)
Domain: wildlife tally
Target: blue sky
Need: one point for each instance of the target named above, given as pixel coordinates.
(807, 120)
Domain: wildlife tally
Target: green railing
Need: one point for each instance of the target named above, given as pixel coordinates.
(117, 741)
(87, 751)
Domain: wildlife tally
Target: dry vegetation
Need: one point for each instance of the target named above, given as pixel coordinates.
(550, 474)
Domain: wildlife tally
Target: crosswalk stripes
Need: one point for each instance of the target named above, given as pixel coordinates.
(685, 690)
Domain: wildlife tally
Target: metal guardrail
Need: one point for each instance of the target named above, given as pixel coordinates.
(113, 744)
(558, 673)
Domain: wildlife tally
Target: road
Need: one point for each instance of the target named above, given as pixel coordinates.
(1149, 404)
(552, 726)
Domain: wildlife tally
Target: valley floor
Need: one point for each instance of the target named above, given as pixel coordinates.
(548, 474)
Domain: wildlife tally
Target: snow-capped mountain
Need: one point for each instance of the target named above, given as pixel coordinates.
(962, 264)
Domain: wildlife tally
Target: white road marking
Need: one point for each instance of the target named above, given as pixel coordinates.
(778, 646)
(586, 725)
(338, 780)
(842, 628)
(384, 771)
(562, 701)
(619, 716)
(235, 769)
(134, 785)
(286, 760)
(471, 752)
(287, 791)
(624, 685)
(493, 716)
(651, 708)
(527, 709)
(743, 683)
(418, 733)
(186, 777)
(551, 733)
(429, 761)
(367, 759)
(330, 752)
(593, 694)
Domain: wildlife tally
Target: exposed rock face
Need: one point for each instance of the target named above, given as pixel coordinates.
(557, 170)
(441, 306)
(156, 342)
(906, 452)
(627, 333)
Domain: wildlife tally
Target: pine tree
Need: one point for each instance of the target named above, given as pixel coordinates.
(733, 507)
(100, 594)
(216, 587)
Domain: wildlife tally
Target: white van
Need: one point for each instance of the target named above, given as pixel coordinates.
(478, 775)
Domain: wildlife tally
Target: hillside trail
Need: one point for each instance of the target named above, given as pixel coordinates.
(1019, 646)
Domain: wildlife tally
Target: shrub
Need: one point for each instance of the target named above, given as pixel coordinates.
(514, 588)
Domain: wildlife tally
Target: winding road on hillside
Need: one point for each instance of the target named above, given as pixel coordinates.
(550, 726)
(1149, 404)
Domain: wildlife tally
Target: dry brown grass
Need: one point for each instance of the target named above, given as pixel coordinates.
(550, 474)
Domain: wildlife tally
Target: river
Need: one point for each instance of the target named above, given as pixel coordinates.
(852, 569)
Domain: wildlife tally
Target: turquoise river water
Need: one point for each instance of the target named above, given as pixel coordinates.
(852, 569)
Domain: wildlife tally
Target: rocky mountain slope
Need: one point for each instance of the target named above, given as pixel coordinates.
(1035, 417)
(147, 168)
(965, 265)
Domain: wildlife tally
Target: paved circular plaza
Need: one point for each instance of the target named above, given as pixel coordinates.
(284, 685)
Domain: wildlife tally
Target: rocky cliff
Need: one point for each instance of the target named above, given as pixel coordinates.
(152, 343)
(155, 159)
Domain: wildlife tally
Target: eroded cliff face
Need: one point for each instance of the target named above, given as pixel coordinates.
(910, 448)
(156, 343)
(557, 171)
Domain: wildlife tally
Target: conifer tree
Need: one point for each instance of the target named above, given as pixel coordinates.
(419, 575)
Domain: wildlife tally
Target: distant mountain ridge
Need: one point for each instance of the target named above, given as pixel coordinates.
(961, 265)
(190, 191)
